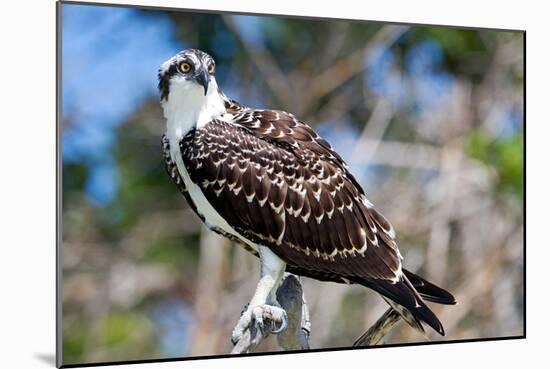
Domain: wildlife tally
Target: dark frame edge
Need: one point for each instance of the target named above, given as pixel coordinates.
(525, 184)
(58, 188)
(292, 352)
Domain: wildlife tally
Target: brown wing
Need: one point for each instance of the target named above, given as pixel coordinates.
(279, 184)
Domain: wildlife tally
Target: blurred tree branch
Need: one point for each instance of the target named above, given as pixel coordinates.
(276, 80)
(347, 68)
(378, 330)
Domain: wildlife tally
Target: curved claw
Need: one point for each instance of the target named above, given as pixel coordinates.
(260, 326)
(258, 319)
(254, 317)
(284, 324)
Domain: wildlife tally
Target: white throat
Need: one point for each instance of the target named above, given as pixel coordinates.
(187, 107)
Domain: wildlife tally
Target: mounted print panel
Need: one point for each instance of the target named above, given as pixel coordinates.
(235, 184)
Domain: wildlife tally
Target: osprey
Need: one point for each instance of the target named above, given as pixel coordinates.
(268, 181)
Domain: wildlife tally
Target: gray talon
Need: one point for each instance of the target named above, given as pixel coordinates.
(284, 324)
(262, 329)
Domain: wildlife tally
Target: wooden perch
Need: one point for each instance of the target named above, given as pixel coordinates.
(291, 297)
(296, 336)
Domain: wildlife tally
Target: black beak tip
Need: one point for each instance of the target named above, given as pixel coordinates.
(203, 79)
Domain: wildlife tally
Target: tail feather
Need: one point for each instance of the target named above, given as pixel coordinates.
(403, 297)
(429, 291)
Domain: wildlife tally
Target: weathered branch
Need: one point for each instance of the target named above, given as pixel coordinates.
(290, 296)
(296, 336)
(248, 342)
(383, 326)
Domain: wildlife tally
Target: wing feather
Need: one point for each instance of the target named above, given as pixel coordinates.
(279, 184)
(283, 186)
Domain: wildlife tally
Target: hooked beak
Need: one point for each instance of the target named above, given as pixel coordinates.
(203, 79)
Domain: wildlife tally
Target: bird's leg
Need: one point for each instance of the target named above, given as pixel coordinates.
(263, 304)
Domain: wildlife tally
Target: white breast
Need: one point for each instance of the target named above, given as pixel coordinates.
(182, 114)
(211, 217)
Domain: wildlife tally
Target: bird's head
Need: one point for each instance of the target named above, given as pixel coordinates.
(189, 71)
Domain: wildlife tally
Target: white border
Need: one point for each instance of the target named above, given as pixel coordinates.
(28, 181)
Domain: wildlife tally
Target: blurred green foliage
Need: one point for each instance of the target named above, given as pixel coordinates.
(504, 155)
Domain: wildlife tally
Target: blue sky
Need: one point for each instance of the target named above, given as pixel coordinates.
(110, 59)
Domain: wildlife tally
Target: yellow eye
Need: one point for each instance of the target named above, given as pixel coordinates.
(211, 69)
(185, 67)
